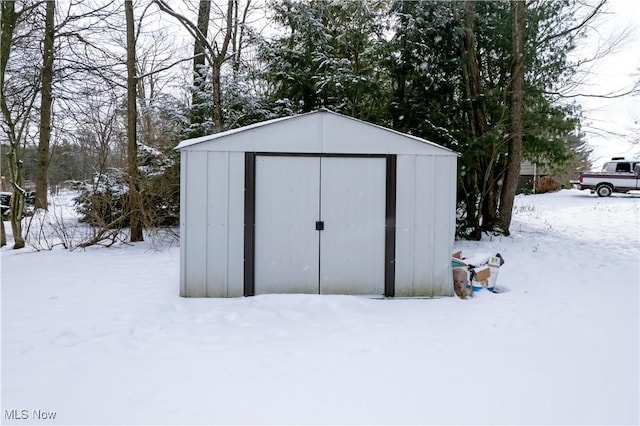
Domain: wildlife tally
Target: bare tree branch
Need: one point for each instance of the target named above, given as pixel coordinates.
(190, 27)
(576, 27)
(165, 68)
(634, 90)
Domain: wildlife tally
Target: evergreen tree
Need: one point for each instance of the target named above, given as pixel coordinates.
(430, 64)
(329, 57)
(445, 74)
(422, 60)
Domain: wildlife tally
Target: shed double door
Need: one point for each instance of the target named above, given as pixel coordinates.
(319, 224)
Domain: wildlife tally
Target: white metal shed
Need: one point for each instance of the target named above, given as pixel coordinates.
(316, 203)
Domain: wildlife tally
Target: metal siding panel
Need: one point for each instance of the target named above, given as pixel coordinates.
(286, 241)
(444, 227)
(217, 221)
(453, 208)
(353, 210)
(195, 224)
(317, 132)
(424, 244)
(302, 134)
(405, 210)
(347, 135)
(183, 228)
(235, 229)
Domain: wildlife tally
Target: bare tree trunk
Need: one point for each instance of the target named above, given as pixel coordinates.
(234, 40)
(400, 112)
(216, 56)
(198, 111)
(474, 89)
(16, 176)
(481, 197)
(7, 25)
(216, 96)
(8, 20)
(516, 112)
(135, 200)
(42, 168)
(145, 106)
(238, 34)
(485, 158)
(216, 70)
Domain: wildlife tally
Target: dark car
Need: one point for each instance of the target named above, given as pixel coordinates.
(5, 203)
(5, 199)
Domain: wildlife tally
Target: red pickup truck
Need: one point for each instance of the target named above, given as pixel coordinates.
(617, 175)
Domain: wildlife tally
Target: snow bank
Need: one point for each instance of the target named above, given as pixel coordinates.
(100, 336)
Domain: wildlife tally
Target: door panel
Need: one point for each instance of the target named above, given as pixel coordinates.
(353, 211)
(286, 241)
(346, 256)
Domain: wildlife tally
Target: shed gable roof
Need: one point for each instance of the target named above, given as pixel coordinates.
(319, 131)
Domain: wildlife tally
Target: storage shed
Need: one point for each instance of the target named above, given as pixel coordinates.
(316, 203)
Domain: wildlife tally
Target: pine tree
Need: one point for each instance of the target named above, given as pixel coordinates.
(328, 58)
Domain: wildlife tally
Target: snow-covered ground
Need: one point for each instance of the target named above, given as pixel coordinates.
(100, 336)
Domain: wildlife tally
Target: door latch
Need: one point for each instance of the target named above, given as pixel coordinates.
(319, 225)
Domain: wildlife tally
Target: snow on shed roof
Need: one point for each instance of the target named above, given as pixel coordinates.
(190, 143)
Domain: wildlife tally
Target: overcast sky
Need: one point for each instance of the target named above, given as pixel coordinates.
(611, 124)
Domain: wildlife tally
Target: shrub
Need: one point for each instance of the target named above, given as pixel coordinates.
(547, 184)
(103, 203)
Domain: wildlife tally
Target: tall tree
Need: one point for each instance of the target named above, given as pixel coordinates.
(483, 187)
(443, 90)
(423, 62)
(135, 200)
(199, 96)
(7, 26)
(516, 116)
(45, 108)
(218, 60)
(328, 57)
(17, 99)
(216, 54)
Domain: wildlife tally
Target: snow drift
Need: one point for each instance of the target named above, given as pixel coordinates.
(100, 336)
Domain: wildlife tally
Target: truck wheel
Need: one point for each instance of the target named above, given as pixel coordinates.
(604, 190)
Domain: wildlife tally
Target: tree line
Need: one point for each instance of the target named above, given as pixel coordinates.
(86, 85)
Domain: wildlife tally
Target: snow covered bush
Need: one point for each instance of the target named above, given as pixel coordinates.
(159, 186)
(104, 202)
